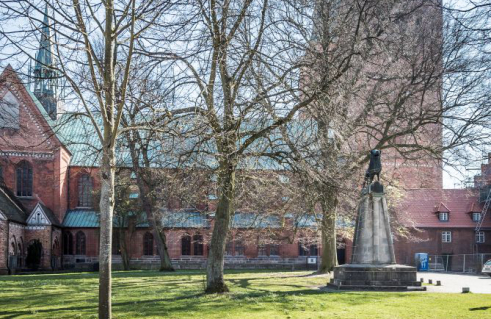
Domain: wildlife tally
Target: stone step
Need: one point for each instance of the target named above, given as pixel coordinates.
(377, 288)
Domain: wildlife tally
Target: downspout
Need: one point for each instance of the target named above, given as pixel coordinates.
(7, 242)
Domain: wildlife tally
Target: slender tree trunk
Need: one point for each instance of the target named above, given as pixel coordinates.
(329, 205)
(214, 270)
(106, 223)
(160, 238)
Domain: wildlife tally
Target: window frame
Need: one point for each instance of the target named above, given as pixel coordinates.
(24, 179)
(443, 216)
(80, 243)
(476, 214)
(85, 188)
(148, 244)
(446, 236)
(186, 239)
(480, 239)
(198, 247)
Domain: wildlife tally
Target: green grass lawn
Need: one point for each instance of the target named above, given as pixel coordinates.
(145, 294)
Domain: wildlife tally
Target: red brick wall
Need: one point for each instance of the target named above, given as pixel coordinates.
(3, 245)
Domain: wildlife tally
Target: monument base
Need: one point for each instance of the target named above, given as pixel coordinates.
(375, 277)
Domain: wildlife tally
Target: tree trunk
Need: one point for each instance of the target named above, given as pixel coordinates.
(160, 238)
(329, 205)
(106, 222)
(214, 270)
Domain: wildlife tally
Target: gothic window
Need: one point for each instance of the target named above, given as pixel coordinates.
(148, 244)
(198, 245)
(85, 191)
(186, 245)
(80, 243)
(67, 243)
(23, 173)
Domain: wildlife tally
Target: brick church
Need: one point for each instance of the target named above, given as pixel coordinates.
(49, 218)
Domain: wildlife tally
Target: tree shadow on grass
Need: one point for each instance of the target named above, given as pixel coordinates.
(479, 308)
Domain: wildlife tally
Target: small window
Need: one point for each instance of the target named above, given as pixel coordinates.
(447, 237)
(133, 195)
(186, 245)
(262, 251)
(443, 217)
(239, 248)
(198, 245)
(310, 250)
(80, 243)
(476, 217)
(148, 244)
(480, 237)
(274, 250)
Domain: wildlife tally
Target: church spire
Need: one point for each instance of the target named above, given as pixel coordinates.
(45, 77)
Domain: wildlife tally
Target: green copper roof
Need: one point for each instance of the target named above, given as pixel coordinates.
(81, 218)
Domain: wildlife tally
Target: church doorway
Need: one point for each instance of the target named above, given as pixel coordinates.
(34, 254)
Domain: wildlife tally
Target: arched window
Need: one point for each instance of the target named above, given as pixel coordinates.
(186, 245)
(80, 243)
(148, 244)
(23, 174)
(67, 243)
(198, 245)
(85, 191)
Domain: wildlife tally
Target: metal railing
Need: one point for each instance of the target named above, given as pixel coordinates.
(465, 263)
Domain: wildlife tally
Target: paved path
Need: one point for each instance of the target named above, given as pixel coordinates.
(454, 282)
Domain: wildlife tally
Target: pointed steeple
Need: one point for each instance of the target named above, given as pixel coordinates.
(45, 77)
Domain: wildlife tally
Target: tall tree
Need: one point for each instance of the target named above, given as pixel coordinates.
(93, 44)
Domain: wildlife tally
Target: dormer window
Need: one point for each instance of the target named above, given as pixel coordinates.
(476, 217)
(443, 216)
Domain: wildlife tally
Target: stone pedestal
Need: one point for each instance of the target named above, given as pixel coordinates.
(373, 260)
(375, 277)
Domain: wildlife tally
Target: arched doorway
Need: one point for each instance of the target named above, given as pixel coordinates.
(34, 254)
(341, 252)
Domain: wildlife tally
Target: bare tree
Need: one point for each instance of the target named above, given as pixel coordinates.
(94, 45)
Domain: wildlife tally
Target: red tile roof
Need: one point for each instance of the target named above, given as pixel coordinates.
(419, 206)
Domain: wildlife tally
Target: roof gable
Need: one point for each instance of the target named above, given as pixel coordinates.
(33, 131)
(10, 208)
(42, 216)
(38, 217)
